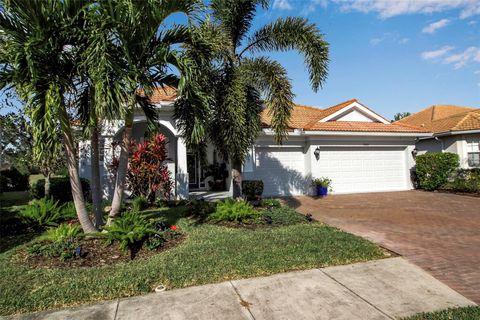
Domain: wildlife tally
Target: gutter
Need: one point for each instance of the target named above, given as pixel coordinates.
(353, 133)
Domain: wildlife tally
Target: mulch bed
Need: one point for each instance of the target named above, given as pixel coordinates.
(94, 254)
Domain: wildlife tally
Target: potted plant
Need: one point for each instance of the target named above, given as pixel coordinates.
(322, 185)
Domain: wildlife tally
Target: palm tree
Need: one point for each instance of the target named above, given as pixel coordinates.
(37, 50)
(135, 55)
(242, 83)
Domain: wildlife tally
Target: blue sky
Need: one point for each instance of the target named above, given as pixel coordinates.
(393, 56)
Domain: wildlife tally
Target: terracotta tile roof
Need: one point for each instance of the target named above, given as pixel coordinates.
(355, 126)
(445, 118)
(301, 116)
(162, 94)
(308, 118)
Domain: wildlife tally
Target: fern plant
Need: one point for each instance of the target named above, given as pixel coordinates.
(43, 212)
(128, 230)
(236, 211)
(63, 232)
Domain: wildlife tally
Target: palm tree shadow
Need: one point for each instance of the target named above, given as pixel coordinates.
(280, 180)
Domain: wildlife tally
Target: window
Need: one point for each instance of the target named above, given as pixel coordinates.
(473, 152)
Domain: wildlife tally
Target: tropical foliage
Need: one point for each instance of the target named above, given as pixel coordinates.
(241, 82)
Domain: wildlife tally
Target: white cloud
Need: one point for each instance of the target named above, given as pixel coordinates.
(435, 54)
(313, 4)
(432, 27)
(375, 41)
(391, 8)
(472, 23)
(282, 5)
(403, 41)
(459, 60)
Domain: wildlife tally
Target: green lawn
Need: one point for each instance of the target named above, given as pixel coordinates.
(466, 313)
(209, 254)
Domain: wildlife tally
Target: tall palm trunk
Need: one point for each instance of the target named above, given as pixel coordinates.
(72, 164)
(237, 180)
(95, 176)
(47, 184)
(122, 167)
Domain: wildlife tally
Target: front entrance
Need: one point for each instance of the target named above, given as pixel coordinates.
(193, 168)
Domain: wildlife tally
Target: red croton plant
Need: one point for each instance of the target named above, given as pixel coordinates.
(147, 172)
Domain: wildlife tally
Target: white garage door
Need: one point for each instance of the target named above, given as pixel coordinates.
(363, 169)
(281, 169)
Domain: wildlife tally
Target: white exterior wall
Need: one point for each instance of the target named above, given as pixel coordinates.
(451, 143)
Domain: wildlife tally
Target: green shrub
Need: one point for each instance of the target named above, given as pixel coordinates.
(272, 203)
(13, 180)
(283, 216)
(139, 203)
(201, 209)
(465, 180)
(434, 169)
(129, 230)
(63, 232)
(236, 211)
(60, 189)
(252, 189)
(63, 249)
(43, 212)
(68, 211)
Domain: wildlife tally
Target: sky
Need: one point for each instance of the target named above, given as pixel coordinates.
(391, 55)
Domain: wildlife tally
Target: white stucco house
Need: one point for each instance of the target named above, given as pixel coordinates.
(455, 129)
(357, 148)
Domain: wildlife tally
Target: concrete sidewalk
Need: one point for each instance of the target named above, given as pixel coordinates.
(382, 289)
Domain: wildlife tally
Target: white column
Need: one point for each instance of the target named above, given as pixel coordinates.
(181, 176)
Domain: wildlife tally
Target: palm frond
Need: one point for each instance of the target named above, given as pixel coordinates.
(294, 33)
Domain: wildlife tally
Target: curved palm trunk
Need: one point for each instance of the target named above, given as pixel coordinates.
(237, 180)
(122, 168)
(95, 176)
(72, 164)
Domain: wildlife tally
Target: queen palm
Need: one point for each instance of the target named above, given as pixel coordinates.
(37, 59)
(134, 55)
(242, 83)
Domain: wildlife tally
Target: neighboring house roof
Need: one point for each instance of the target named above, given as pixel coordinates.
(162, 94)
(310, 119)
(445, 118)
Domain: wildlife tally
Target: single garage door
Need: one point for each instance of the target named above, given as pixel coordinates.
(281, 170)
(363, 169)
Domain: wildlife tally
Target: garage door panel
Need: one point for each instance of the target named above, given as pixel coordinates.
(281, 170)
(363, 169)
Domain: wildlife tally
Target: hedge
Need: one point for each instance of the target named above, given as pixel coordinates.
(252, 189)
(60, 189)
(434, 169)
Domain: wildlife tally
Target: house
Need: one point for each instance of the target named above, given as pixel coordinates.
(455, 129)
(357, 148)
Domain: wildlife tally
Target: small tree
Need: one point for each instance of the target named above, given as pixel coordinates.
(400, 115)
(147, 172)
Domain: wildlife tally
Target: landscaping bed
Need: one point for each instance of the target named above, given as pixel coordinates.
(94, 253)
(207, 249)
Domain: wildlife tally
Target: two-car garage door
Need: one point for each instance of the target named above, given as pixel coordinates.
(363, 169)
(352, 169)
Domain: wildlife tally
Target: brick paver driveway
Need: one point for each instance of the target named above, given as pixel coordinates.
(439, 232)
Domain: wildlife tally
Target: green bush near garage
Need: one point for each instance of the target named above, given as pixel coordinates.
(434, 169)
